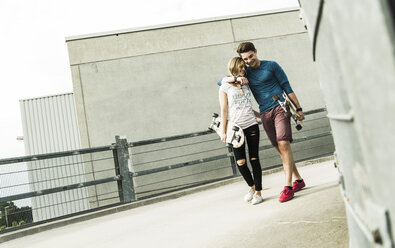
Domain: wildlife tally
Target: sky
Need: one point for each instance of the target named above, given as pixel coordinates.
(33, 53)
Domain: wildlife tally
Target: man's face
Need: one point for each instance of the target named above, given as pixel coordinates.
(250, 58)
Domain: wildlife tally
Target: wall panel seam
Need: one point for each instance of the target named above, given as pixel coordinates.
(84, 108)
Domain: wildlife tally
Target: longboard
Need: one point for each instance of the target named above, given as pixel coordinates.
(234, 134)
(288, 105)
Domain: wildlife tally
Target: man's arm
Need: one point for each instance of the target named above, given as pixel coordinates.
(295, 101)
(282, 78)
(231, 79)
(285, 85)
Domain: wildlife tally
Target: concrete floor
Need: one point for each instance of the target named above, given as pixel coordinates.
(218, 217)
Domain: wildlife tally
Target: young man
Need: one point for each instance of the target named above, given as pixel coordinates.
(266, 79)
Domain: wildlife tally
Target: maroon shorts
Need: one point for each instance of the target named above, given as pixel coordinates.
(277, 125)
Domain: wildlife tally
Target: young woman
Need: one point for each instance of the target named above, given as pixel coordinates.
(235, 101)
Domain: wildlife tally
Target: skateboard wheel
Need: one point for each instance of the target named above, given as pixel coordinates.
(298, 127)
(215, 115)
(234, 128)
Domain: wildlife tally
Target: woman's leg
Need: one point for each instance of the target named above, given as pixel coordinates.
(240, 155)
(252, 137)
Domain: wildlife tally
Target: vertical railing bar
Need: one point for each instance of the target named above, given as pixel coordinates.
(118, 172)
(126, 176)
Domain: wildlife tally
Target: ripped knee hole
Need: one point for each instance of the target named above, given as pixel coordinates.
(241, 162)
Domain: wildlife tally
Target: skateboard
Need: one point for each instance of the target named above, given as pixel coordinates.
(288, 105)
(234, 134)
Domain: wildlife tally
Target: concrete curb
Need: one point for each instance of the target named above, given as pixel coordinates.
(174, 195)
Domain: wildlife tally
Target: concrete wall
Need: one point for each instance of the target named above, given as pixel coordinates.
(355, 44)
(162, 81)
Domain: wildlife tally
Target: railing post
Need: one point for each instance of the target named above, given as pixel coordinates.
(117, 172)
(231, 155)
(126, 175)
(6, 215)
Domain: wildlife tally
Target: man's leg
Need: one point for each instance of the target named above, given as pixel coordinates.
(295, 172)
(283, 129)
(270, 121)
(284, 148)
(278, 129)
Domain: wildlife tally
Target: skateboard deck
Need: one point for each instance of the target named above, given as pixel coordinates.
(234, 134)
(289, 108)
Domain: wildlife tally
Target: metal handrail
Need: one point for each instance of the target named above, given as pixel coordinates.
(58, 189)
(195, 134)
(31, 158)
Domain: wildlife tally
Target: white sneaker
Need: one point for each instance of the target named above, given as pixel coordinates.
(249, 195)
(256, 199)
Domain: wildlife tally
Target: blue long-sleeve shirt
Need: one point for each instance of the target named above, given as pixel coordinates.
(267, 80)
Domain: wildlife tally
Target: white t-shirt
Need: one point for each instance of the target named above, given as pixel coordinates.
(239, 105)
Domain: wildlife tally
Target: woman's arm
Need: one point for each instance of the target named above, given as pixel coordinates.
(223, 101)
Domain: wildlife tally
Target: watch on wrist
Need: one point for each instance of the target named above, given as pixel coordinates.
(299, 109)
(235, 78)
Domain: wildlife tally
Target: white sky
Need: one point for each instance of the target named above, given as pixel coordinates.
(33, 53)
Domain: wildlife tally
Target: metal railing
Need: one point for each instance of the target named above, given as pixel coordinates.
(62, 184)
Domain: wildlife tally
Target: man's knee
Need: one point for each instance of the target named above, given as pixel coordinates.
(283, 145)
(241, 162)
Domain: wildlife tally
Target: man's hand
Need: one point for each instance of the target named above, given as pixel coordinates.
(242, 80)
(300, 115)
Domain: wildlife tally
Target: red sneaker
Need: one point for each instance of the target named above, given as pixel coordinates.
(286, 195)
(296, 186)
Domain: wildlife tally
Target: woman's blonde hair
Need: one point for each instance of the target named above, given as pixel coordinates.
(235, 66)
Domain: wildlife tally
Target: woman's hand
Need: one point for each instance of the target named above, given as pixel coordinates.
(223, 137)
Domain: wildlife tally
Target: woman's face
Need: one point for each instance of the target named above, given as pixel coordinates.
(242, 69)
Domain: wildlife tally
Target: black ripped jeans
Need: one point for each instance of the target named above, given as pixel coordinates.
(252, 138)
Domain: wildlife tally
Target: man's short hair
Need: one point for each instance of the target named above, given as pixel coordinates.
(245, 47)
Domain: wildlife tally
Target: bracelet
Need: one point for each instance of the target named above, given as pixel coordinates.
(299, 109)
